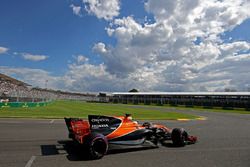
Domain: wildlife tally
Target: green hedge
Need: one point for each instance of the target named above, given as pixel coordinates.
(23, 104)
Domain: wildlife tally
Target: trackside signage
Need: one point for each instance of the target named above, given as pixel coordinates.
(23, 104)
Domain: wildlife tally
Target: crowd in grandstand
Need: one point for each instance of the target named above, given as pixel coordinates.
(14, 90)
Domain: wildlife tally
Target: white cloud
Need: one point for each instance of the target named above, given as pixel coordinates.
(81, 59)
(100, 48)
(3, 50)
(76, 9)
(32, 57)
(180, 51)
(103, 9)
(164, 56)
(234, 48)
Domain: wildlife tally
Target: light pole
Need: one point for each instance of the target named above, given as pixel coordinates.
(46, 83)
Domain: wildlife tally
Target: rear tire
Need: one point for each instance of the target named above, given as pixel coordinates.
(179, 137)
(97, 145)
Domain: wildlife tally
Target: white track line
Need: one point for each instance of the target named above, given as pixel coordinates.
(29, 163)
(52, 121)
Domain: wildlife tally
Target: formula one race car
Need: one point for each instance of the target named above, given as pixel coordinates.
(100, 131)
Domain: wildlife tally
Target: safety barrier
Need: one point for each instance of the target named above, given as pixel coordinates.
(23, 104)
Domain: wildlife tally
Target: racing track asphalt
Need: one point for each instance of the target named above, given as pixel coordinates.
(224, 141)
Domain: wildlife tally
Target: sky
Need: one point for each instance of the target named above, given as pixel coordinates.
(118, 45)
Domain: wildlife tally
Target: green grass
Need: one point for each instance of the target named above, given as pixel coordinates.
(60, 109)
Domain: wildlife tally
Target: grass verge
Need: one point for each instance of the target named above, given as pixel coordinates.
(60, 109)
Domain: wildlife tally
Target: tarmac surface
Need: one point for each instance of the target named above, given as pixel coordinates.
(224, 141)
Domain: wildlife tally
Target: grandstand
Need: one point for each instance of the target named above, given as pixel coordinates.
(8, 79)
(13, 90)
(225, 100)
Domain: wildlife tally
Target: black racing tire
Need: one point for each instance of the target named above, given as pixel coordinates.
(97, 145)
(179, 137)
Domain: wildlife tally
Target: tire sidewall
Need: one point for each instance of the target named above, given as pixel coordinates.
(179, 136)
(91, 141)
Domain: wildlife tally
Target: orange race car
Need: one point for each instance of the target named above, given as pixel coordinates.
(100, 131)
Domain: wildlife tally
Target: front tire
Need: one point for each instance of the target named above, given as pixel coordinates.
(179, 137)
(97, 145)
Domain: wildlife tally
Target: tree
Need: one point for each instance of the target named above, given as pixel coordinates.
(133, 90)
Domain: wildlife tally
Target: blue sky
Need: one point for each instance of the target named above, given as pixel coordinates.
(45, 28)
(117, 45)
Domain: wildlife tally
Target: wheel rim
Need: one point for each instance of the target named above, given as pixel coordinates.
(99, 147)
